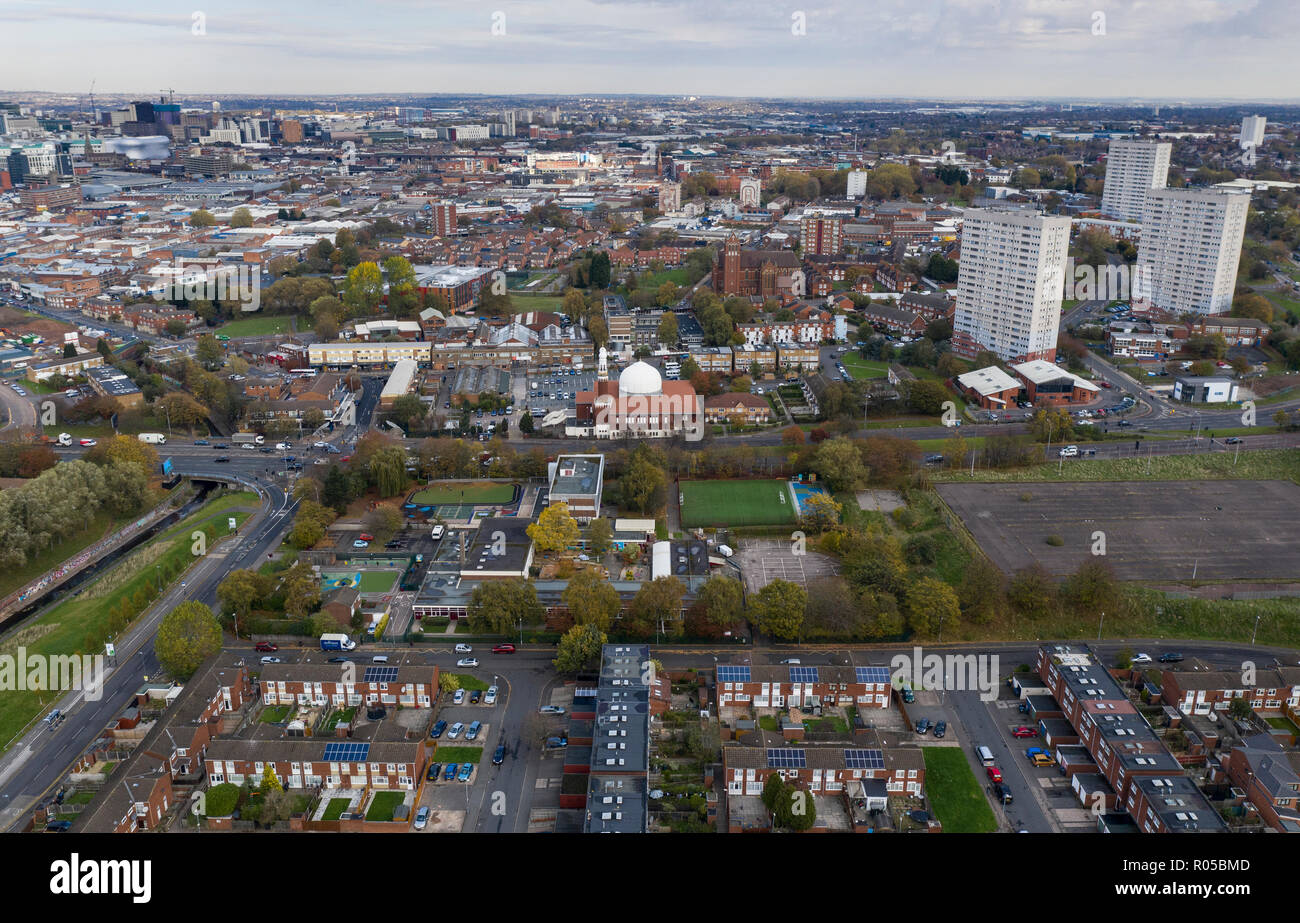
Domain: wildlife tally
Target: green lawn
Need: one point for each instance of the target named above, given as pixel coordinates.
(372, 581)
(79, 624)
(276, 714)
(736, 503)
(383, 805)
(259, 326)
(864, 368)
(1260, 464)
(471, 682)
(524, 303)
(955, 795)
(477, 492)
(336, 807)
(444, 754)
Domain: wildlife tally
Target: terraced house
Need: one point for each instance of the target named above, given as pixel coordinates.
(800, 687)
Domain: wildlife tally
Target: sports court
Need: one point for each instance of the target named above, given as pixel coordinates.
(474, 493)
(736, 503)
(369, 581)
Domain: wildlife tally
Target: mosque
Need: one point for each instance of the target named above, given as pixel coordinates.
(639, 405)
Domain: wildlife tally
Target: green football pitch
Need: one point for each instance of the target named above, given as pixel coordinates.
(476, 492)
(736, 503)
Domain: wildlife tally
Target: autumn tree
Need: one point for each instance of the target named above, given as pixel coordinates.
(555, 529)
(778, 609)
(579, 649)
(187, 636)
(592, 599)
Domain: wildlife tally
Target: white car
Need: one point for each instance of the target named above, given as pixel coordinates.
(1141, 658)
(459, 697)
(725, 551)
(1070, 451)
(490, 697)
(464, 649)
(551, 710)
(282, 446)
(318, 445)
(467, 662)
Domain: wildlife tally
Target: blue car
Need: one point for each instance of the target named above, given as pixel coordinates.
(465, 772)
(499, 755)
(438, 728)
(450, 773)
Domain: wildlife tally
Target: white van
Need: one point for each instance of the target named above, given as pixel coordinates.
(985, 755)
(437, 531)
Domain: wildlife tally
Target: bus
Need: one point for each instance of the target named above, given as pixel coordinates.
(302, 373)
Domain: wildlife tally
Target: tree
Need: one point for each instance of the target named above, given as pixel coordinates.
(555, 529)
(741, 384)
(270, 782)
(1240, 709)
(202, 218)
(301, 590)
(930, 602)
(187, 636)
(839, 463)
(599, 535)
(778, 609)
(643, 482)
(592, 599)
(124, 450)
(241, 218)
(982, 591)
(364, 288)
(240, 590)
(209, 352)
(926, 397)
(793, 435)
(890, 181)
(668, 335)
(579, 649)
(179, 409)
(722, 600)
(600, 271)
(820, 512)
(500, 606)
(1032, 593)
(657, 603)
(1093, 588)
(385, 521)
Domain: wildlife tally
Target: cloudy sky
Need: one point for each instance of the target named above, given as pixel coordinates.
(1147, 49)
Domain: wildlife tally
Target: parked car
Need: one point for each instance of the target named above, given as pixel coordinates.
(941, 728)
(438, 727)
(467, 662)
(367, 537)
(265, 647)
(490, 697)
(464, 649)
(88, 442)
(1070, 451)
(502, 649)
(270, 660)
(466, 771)
(360, 544)
(1141, 658)
(907, 694)
(340, 660)
(455, 730)
(1232, 440)
(422, 817)
(923, 726)
(450, 773)
(793, 661)
(551, 710)
(458, 698)
(1024, 731)
(282, 446)
(58, 826)
(1001, 793)
(475, 696)
(1170, 657)
(499, 756)
(472, 732)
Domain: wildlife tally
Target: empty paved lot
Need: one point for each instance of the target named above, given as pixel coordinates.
(1154, 530)
(763, 560)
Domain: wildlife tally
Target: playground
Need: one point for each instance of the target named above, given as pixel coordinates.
(366, 582)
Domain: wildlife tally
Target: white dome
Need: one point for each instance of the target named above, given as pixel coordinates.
(640, 378)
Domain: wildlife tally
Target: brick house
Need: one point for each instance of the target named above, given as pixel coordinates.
(745, 407)
(794, 686)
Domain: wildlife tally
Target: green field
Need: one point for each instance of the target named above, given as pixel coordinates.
(864, 368)
(372, 581)
(477, 492)
(459, 755)
(253, 327)
(736, 503)
(383, 805)
(955, 796)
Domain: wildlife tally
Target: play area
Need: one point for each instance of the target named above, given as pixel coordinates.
(368, 581)
(743, 503)
(460, 501)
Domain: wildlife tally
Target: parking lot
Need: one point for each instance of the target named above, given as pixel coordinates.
(762, 560)
(555, 390)
(1152, 530)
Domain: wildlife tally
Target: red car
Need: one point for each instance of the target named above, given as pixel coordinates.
(265, 647)
(1105, 384)
(995, 774)
(1024, 732)
(367, 537)
(503, 649)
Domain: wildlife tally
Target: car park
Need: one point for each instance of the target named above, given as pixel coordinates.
(467, 662)
(455, 731)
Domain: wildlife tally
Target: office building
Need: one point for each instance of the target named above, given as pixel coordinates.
(1133, 168)
(1252, 131)
(1190, 247)
(1009, 290)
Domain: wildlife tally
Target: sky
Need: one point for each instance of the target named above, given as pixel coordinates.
(866, 49)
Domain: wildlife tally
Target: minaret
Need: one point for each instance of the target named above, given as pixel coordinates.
(602, 366)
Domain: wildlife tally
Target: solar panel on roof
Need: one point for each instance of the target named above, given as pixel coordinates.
(864, 759)
(730, 674)
(778, 758)
(803, 674)
(346, 752)
(379, 675)
(873, 674)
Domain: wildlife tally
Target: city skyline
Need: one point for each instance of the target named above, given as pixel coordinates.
(832, 50)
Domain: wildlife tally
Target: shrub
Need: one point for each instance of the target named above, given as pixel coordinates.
(1055, 541)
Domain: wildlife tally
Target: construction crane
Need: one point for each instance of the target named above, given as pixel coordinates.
(171, 96)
